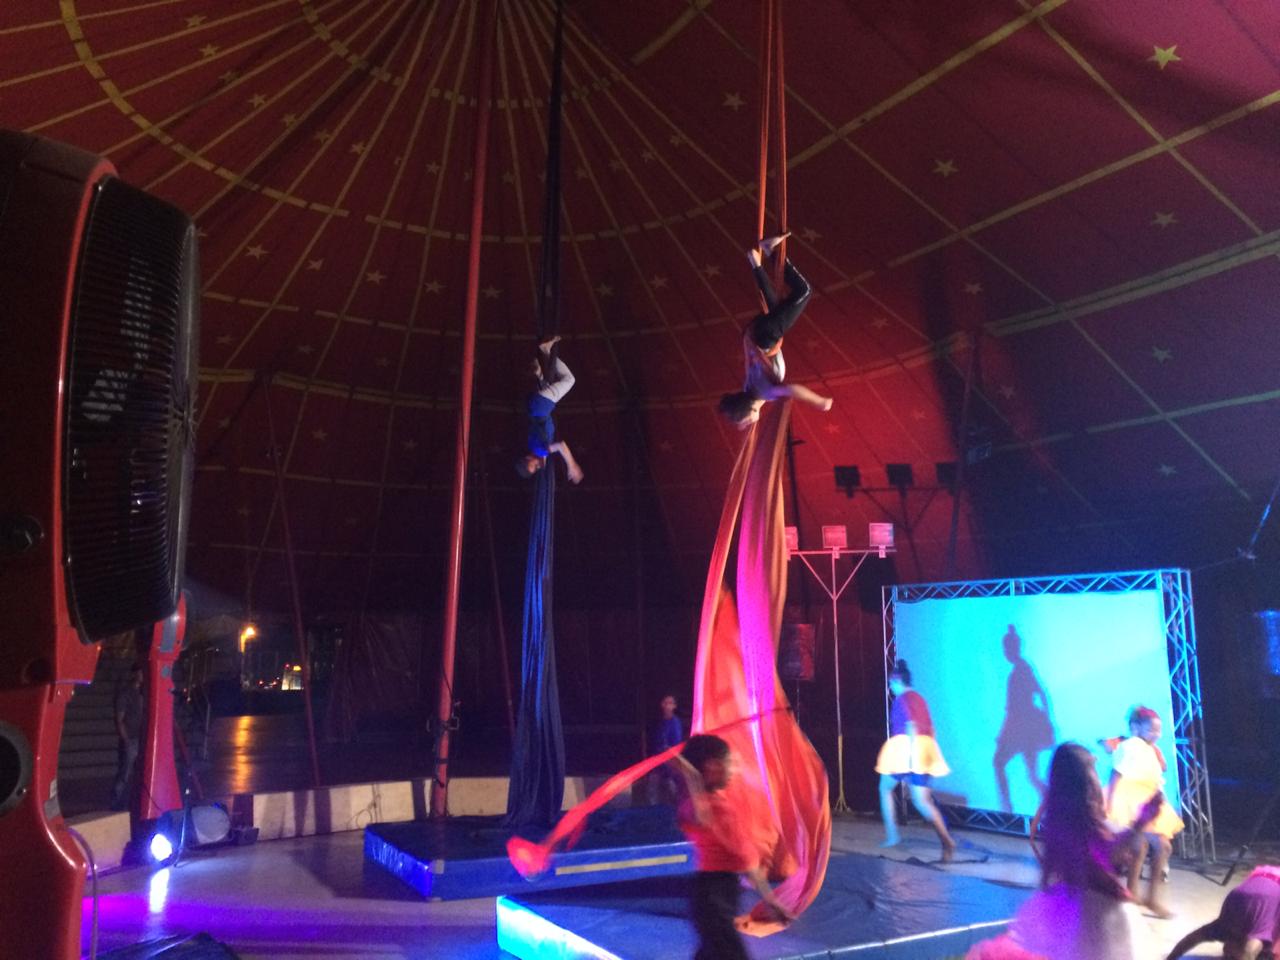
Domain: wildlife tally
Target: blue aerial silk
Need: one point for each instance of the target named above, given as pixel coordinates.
(536, 790)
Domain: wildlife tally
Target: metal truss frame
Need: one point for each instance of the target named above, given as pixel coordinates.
(1196, 842)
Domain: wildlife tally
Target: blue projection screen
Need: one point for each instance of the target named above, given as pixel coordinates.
(1008, 677)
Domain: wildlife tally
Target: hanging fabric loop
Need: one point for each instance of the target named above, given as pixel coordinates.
(536, 787)
(772, 127)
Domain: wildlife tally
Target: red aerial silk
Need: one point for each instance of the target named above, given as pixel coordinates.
(781, 785)
(781, 781)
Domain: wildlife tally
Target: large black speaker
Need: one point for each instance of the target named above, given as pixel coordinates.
(796, 650)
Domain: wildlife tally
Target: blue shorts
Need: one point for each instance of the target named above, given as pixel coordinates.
(915, 779)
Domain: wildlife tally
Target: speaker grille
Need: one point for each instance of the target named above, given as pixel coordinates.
(127, 456)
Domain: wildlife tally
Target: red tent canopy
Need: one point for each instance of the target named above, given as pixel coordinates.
(1086, 193)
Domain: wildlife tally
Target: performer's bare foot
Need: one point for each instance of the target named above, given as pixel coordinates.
(1159, 910)
(889, 842)
(769, 244)
(948, 850)
(546, 345)
(754, 258)
(826, 404)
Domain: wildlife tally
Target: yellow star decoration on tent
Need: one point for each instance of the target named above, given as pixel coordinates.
(945, 168)
(733, 101)
(1164, 219)
(1164, 56)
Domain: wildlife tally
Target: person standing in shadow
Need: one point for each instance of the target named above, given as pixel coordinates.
(664, 733)
(129, 711)
(1028, 728)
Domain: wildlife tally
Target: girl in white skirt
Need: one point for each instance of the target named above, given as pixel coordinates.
(911, 756)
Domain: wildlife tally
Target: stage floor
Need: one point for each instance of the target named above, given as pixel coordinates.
(315, 899)
(868, 907)
(465, 857)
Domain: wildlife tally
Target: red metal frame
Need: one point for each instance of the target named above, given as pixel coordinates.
(160, 791)
(47, 188)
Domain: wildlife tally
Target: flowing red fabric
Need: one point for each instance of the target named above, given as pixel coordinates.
(781, 782)
(781, 785)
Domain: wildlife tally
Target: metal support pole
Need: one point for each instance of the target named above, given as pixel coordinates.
(295, 594)
(453, 576)
(834, 592)
(840, 806)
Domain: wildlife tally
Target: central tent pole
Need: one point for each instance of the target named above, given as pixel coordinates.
(453, 577)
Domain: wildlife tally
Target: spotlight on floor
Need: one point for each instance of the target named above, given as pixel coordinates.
(166, 840)
(160, 848)
(209, 825)
(159, 843)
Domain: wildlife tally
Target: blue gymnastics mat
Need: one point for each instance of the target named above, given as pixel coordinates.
(870, 908)
(463, 857)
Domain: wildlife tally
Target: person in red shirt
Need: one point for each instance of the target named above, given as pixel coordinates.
(911, 756)
(722, 849)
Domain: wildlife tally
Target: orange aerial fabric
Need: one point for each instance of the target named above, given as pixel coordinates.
(781, 785)
(781, 781)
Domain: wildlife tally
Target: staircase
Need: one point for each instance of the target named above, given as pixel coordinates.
(87, 754)
(88, 749)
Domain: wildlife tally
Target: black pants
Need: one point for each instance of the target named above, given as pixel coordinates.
(714, 906)
(768, 328)
(126, 760)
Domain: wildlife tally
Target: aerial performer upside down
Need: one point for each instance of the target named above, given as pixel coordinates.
(552, 380)
(766, 370)
(778, 799)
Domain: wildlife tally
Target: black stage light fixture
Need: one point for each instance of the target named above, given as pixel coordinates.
(848, 479)
(948, 474)
(899, 475)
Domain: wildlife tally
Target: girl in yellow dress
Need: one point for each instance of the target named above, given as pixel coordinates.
(1137, 772)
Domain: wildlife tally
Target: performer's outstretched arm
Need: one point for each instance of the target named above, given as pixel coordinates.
(761, 883)
(571, 465)
(797, 391)
(1194, 939)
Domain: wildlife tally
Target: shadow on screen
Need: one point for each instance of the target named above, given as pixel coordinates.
(1028, 727)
